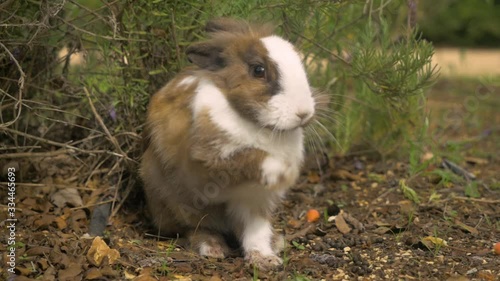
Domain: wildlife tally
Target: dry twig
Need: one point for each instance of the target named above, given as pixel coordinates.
(112, 139)
(19, 103)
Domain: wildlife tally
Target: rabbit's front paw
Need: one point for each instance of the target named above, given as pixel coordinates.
(263, 262)
(276, 172)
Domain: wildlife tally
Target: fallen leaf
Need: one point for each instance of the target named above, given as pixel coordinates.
(58, 257)
(466, 227)
(313, 177)
(476, 160)
(109, 272)
(25, 271)
(70, 273)
(486, 275)
(295, 224)
(43, 221)
(352, 221)
(99, 250)
(427, 156)
(67, 196)
(345, 175)
(38, 251)
(61, 223)
(407, 207)
(93, 273)
(43, 263)
(145, 275)
(129, 276)
(181, 278)
(432, 242)
(341, 224)
(382, 230)
(457, 278)
(49, 274)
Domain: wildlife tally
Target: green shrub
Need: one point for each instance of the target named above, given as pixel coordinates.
(375, 71)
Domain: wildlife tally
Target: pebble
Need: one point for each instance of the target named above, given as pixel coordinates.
(333, 210)
(317, 247)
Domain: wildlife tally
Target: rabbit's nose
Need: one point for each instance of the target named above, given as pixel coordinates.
(304, 116)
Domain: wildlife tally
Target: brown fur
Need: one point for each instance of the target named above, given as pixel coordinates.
(182, 163)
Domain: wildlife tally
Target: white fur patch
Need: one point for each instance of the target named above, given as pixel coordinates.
(243, 133)
(187, 81)
(257, 235)
(205, 250)
(278, 172)
(272, 170)
(295, 99)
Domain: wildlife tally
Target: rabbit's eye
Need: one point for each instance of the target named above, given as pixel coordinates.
(259, 71)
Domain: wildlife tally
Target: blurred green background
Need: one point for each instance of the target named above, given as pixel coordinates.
(463, 23)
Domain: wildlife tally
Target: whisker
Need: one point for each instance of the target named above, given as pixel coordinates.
(328, 133)
(318, 145)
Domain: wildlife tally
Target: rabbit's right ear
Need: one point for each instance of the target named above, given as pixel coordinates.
(206, 55)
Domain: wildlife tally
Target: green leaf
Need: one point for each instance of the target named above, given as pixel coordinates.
(471, 190)
(298, 246)
(408, 192)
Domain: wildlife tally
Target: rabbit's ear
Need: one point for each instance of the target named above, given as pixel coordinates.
(227, 25)
(207, 55)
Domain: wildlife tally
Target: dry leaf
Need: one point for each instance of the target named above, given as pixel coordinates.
(295, 224)
(70, 273)
(93, 273)
(382, 230)
(466, 227)
(44, 221)
(38, 251)
(110, 272)
(99, 250)
(49, 274)
(313, 177)
(427, 156)
(476, 160)
(485, 275)
(341, 224)
(457, 278)
(181, 278)
(407, 207)
(69, 196)
(129, 275)
(353, 221)
(61, 222)
(345, 175)
(432, 242)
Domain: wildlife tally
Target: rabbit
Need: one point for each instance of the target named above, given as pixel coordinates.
(224, 141)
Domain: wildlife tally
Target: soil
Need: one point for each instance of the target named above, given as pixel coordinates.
(373, 229)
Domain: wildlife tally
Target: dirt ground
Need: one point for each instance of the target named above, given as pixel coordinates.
(371, 226)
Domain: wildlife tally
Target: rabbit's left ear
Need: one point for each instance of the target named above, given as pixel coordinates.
(227, 25)
(206, 55)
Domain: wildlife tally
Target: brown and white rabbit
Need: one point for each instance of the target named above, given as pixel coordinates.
(225, 141)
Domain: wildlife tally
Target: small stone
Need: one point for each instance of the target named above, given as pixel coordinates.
(332, 262)
(347, 249)
(333, 210)
(317, 247)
